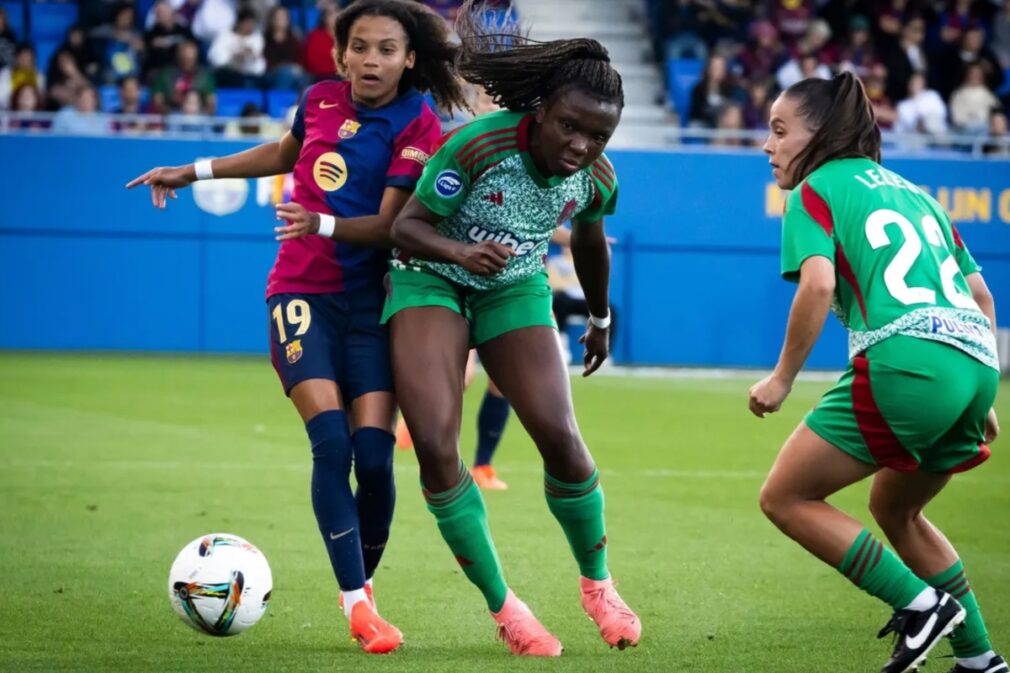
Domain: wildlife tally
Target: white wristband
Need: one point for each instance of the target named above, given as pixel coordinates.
(600, 323)
(203, 170)
(327, 225)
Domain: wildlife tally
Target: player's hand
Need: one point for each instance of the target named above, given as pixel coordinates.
(163, 182)
(768, 394)
(991, 427)
(485, 258)
(300, 222)
(597, 343)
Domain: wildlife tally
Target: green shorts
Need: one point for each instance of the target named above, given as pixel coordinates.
(910, 404)
(491, 313)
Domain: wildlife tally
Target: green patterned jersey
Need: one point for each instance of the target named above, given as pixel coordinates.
(483, 182)
(900, 264)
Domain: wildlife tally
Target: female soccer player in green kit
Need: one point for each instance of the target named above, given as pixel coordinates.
(472, 240)
(915, 405)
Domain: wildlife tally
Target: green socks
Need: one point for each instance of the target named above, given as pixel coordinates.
(579, 510)
(972, 638)
(879, 572)
(462, 520)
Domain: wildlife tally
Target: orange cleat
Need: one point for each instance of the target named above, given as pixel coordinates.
(521, 631)
(368, 592)
(487, 479)
(403, 438)
(375, 634)
(619, 626)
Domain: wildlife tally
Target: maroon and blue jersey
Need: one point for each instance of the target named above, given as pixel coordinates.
(350, 154)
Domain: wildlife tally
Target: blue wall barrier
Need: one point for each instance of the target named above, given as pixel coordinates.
(84, 264)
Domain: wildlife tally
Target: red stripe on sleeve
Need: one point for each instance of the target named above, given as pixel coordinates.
(604, 166)
(480, 140)
(486, 150)
(604, 180)
(817, 207)
(957, 237)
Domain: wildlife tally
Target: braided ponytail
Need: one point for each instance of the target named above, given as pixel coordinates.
(520, 74)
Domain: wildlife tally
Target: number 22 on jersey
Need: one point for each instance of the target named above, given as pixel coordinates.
(911, 250)
(298, 315)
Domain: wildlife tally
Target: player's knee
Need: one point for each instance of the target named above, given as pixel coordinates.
(434, 434)
(330, 440)
(776, 504)
(373, 457)
(891, 517)
(557, 437)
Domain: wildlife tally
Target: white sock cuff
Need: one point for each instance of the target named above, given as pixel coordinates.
(352, 598)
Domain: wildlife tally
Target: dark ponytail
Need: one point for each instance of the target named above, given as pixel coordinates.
(841, 118)
(520, 74)
(427, 36)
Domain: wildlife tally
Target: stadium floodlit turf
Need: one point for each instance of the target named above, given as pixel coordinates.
(110, 464)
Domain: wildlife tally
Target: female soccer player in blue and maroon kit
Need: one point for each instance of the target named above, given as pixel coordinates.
(356, 147)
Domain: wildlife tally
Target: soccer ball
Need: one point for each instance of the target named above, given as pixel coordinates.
(220, 584)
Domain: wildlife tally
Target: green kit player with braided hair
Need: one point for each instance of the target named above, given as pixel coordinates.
(914, 406)
(470, 272)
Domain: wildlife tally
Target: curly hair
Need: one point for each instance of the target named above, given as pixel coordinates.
(428, 37)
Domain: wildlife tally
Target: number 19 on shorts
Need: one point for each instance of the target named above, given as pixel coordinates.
(294, 314)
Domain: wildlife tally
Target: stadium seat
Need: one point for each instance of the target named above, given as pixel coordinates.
(1005, 89)
(44, 50)
(15, 17)
(304, 18)
(50, 20)
(231, 101)
(682, 74)
(108, 97)
(279, 102)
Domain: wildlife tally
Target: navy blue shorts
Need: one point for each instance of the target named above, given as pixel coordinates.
(331, 336)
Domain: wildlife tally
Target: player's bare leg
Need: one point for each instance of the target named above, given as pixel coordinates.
(430, 346)
(897, 500)
(807, 471)
(526, 366)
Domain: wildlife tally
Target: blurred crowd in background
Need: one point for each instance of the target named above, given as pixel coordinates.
(931, 67)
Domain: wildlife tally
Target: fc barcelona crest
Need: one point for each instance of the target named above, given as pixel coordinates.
(294, 351)
(348, 128)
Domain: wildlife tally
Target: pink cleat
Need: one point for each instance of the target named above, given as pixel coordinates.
(521, 631)
(619, 626)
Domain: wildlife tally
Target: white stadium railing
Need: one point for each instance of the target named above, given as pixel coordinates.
(634, 134)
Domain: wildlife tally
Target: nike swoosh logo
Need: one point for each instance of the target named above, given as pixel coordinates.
(323, 105)
(919, 639)
(337, 536)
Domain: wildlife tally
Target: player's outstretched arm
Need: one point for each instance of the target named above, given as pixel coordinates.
(415, 233)
(810, 309)
(591, 256)
(273, 158)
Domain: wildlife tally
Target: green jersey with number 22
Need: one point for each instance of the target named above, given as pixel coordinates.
(900, 264)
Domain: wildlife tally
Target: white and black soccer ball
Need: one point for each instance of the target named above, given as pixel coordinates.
(220, 584)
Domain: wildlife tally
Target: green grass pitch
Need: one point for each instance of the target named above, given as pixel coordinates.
(109, 464)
